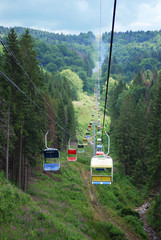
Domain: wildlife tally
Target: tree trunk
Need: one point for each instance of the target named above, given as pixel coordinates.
(20, 160)
(23, 170)
(25, 177)
(7, 150)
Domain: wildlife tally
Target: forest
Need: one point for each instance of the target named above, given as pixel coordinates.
(135, 51)
(43, 74)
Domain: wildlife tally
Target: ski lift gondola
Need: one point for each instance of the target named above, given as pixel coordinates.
(89, 127)
(102, 167)
(85, 141)
(99, 133)
(72, 154)
(51, 158)
(104, 164)
(100, 153)
(99, 141)
(87, 134)
(80, 148)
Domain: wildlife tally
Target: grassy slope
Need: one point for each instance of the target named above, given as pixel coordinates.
(83, 111)
(66, 205)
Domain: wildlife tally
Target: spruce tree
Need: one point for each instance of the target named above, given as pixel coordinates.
(114, 104)
(125, 134)
(34, 123)
(138, 80)
(140, 172)
(154, 142)
(13, 97)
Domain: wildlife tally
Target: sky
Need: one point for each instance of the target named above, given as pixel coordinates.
(75, 16)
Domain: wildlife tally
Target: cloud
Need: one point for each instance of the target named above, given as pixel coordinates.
(148, 16)
(82, 6)
(81, 15)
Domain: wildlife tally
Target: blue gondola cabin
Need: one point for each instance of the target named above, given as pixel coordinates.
(51, 159)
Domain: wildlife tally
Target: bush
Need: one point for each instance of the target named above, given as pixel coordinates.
(137, 225)
(154, 214)
(128, 211)
(107, 231)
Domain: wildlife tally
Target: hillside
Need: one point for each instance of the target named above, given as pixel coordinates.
(67, 206)
(47, 83)
(56, 52)
(135, 51)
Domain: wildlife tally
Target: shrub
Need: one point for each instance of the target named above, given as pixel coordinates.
(107, 231)
(137, 225)
(154, 214)
(128, 211)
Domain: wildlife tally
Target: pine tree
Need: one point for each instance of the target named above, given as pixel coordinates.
(25, 119)
(155, 140)
(32, 85)
(29, 60)
(138, 80)
(12, 96)
(125, 134)
(114, 104)
(140, 172)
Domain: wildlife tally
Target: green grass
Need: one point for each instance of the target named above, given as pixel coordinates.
(54, 208)
(51, 208)
(83, 111)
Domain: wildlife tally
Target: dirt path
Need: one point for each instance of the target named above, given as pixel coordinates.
(52, 176)
(99, 212)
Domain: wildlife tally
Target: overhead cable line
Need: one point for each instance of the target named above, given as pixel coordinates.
(100, 45)
(19, 111)
(100, 40)
(5, 76)
(109, 62)
(26, 74)
(100, 20)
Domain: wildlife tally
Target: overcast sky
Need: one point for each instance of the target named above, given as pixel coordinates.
(75, 16)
